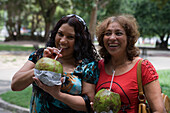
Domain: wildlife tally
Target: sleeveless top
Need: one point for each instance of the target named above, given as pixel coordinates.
(126, 84)
(42, 102)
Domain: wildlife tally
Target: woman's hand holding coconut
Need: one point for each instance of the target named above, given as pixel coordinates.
(52, 90)
(48, 70)
(50, 52)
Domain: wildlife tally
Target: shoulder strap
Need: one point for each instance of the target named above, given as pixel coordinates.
(139, 79)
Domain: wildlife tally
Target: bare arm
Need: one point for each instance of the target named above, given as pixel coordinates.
(154, 98)
(89, 90)
(75, 102)
(23, 77)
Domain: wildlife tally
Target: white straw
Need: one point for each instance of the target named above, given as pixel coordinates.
(112, 80)
(58, 53)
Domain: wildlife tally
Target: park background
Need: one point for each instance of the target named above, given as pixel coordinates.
(25, 26)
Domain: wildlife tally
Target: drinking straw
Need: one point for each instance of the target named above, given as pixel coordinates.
(58, 54)
(112, 80)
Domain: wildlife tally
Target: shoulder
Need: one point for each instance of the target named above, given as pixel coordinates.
(149, 73)
(85, 66)
(147, 65)
(36, 55)
(91, 66)
(100, 63)
(91, 72)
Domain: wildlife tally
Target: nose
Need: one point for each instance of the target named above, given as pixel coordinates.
(63, 40)
(112, 36)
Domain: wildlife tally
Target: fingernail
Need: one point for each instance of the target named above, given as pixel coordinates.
(54, 51)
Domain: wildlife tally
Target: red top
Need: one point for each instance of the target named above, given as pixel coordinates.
(126, 84)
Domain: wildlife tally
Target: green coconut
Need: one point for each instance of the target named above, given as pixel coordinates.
(48, 64)
(106, 100)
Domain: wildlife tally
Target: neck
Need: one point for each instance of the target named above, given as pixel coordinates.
(68, 64)
(119, 65)
(67, 60)
(116, 62)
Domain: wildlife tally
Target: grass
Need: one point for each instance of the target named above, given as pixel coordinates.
(5, 47)
(164, 79)
(22, 98)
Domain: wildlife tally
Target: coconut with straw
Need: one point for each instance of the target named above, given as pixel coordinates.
(107, 101)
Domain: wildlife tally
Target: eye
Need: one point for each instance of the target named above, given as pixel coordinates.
(70, 37)
(108, 33)
(119, 33)
(60, 34)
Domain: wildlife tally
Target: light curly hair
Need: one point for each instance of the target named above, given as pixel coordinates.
(129, 24)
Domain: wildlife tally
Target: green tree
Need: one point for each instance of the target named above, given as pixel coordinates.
(21, 14)
(88, 11)
(37, 15)
(14, 17)
(95, 10)
(128, 6)
(154, 20)
(48, 9)
(34, 20)
(2, 14)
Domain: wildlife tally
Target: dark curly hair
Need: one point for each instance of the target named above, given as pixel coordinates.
(83, 47)
(128, 22)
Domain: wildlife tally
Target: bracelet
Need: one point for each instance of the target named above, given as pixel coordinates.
(87, 101)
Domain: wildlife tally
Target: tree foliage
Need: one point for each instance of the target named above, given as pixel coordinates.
(41, 15)
(95, 10)
(15, 17)
(48, 9)
(154, 20)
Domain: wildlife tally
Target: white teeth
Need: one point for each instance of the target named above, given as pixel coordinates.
(63, 46)
(113, 45)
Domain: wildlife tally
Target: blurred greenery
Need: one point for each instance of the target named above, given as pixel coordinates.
(20, 98)
(154, 20)
(37, 17)
(164, 80)
(4, 47)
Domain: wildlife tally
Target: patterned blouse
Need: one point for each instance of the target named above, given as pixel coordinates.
(42, 102)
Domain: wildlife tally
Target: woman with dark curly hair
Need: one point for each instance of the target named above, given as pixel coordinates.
(69, 40)
(117, 36)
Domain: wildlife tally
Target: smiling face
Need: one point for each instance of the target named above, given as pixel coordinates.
(65, 39)
(115, 39)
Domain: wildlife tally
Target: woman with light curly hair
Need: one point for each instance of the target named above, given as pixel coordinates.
(117, 36)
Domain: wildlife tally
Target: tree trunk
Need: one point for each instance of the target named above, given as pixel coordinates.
(19, 22)
(164, 43)
(48, 11)
(11, 30)
(47, 29)
(93, 19)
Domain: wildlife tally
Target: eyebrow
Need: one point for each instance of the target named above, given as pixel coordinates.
(119, 30)
(67, 33)
(109, 30)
